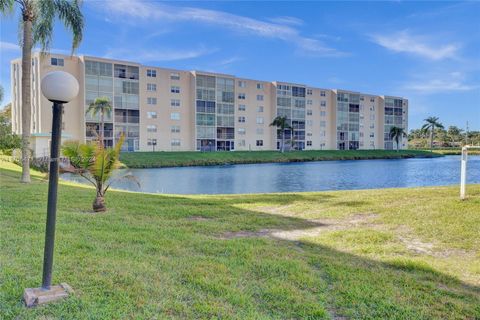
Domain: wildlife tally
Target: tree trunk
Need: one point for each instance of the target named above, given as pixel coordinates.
(102, 125)
(398, 144)
(431, 139)
(99, 204)
(282, 147)
(26, 92)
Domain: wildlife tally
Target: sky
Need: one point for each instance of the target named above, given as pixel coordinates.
(427, 52)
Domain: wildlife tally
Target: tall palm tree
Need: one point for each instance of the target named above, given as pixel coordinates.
(431, 123)
(281, 123)
(37, 21)
(103, 107)
(397, 133)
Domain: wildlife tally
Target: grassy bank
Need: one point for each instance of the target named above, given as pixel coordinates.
(181, 159)
(376, 254)
(452, 152)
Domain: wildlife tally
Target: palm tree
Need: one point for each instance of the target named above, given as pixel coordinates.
(96, 164)
(103, 107)
(281, 123)
(431, 123)
(37, 21)
(397, 133)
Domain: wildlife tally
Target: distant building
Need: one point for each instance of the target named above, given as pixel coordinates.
(176, 110)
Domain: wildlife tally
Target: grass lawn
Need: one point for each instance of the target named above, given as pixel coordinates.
(452, 152)
(376, 254)
(193, 158)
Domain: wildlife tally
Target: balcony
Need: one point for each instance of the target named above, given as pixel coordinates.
(127, 119)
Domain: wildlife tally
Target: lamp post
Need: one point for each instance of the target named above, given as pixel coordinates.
(58, 87)
(154, 143)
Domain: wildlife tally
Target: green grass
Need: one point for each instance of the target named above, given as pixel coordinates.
(152, 257)
(457, 151)
(187, 158)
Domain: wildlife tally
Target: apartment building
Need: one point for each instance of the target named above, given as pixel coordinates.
(160, 109)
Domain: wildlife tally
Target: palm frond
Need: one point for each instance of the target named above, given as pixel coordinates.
(70, 14)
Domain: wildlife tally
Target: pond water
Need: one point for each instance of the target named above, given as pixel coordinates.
(300, 176)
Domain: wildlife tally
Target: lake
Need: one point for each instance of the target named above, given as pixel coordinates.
(299, 176)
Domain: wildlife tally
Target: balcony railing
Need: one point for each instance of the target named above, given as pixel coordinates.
(127, 119)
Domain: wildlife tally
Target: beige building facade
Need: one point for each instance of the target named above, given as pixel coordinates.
(161, 109)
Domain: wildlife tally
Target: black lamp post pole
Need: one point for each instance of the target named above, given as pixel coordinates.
(52, 194)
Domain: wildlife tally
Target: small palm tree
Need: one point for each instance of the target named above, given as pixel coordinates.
(431, 123)
(281, 123)
(96, 164)
(103, 107)
(397, 133)
(36, 26)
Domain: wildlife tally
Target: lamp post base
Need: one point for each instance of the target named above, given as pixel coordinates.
(37, 296)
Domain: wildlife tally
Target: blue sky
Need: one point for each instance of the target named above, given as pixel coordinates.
(428, 52)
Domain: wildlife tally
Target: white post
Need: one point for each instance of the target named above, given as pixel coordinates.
(463, 173)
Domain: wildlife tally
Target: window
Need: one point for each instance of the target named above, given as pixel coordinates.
(175, 103)
(241, 107)
(241, 96)
(323, 133)
(151, 87)
(175, 116)
(175, 89)
(372, 99)
(151, 115)
(309, 112)
(323, 103)
(260, 120)
(309, 92)
(151, 73)
(322, 93)
(259, 97)
(260, 86)
(175, 142)
(242, 84)
(323, 124)
(151, 101)
(259, 130)
(260, 109)
(309, 102)
(175, 76)
(309, 143)
(323, 113)
(151, 142)
(309, 123)
(241, 119)
(151, 128)
(175, 129)
(362, 98)
(372, 117)
(56, 62)
(259, 143)
(241, 131)
(372, 135)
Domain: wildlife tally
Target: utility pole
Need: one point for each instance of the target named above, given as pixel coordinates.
(466, 135)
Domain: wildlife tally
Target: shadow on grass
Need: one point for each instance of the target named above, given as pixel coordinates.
(145, 258)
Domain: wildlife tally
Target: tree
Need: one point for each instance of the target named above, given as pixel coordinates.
(454, 133)
(431, 123)
(1, 93)
(281, 123)
(37, 21)
(96, 164)
(8, 140)
(103, 107)
(397, 133)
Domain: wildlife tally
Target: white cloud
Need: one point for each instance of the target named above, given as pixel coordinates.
(9, 46)
(451, 82)
(403, 41)
(148, 11)
(294, 21)
(157, 54)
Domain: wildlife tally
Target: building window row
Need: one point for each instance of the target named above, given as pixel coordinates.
(175, 102)
(175, 89)
(151, 87)
(151, 73)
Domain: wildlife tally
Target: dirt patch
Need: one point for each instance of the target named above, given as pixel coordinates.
(246, 234)
(321, 225)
